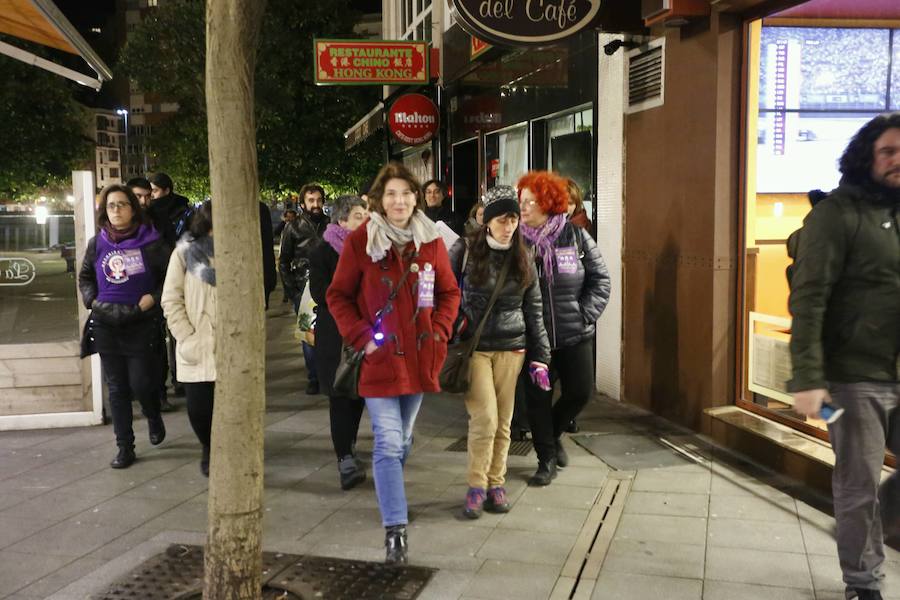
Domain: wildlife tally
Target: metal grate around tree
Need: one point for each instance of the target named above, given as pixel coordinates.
(177, 574)
(516, 447)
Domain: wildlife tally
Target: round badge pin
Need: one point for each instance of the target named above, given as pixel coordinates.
(428, 266)
(414, 268)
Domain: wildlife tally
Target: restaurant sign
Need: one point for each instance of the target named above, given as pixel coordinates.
(524, 22)
(370, 62)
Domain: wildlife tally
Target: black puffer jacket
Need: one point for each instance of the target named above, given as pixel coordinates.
(297, 241)
(576, 301)
(514, 322)
(121, 328)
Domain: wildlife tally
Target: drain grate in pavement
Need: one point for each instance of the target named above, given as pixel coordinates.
(516, 447)
(177, 574)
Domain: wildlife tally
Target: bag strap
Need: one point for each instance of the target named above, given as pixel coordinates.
(500, 281)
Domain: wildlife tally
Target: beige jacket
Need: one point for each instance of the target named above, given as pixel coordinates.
(190, 308)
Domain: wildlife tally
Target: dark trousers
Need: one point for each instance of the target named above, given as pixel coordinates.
(345, 415)
(130, 377)
(199, 397)
(309, 357)
(163, 359)
(173, 368)
(573, 367)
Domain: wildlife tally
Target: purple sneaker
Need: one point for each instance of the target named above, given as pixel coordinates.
(474, 503)
(496, 501)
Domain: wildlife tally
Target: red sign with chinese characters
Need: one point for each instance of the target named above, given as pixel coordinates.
(413, 119)
(370, 62)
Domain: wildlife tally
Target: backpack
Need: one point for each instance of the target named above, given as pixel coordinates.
(183, 222)
(793, 241)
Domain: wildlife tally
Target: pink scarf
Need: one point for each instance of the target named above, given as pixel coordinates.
(335, 235)
(543, 238)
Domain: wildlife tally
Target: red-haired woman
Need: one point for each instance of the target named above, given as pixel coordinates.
(575, 290)
(394, 295)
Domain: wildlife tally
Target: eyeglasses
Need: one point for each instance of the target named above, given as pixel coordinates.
(113, 206)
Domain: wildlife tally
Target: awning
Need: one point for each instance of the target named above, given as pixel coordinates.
(369, 124)
(40, 21)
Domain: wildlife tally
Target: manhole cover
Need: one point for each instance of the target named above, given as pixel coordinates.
(516, 447)
(177, 574)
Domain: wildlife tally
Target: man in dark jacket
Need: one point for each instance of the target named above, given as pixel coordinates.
(845, 302)
(171, 215)
(297, 240)
(435, 209)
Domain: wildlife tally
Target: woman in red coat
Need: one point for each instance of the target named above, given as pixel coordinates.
(395, 296)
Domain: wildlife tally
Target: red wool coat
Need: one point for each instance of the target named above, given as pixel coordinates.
(415, 343)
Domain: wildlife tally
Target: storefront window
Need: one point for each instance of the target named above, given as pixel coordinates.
(506, 156)
(568, 150)
(37, 278)
(809, 90)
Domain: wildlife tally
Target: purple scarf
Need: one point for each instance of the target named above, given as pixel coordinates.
(543, 238)
(335, 235)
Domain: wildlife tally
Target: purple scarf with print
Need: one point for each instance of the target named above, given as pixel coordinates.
(335, 235)
(543, 238)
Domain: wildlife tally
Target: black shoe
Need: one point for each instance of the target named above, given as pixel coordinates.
(864, 594)
(157, 430)
(204, 462)
(166, 406)
(178, 390)
(124, 459)
(562, 457)
(396, 548)
(312, 388)
(546, 472)
(351, 471)
(572, 427)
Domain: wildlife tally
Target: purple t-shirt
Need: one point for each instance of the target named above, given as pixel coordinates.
(122, 273)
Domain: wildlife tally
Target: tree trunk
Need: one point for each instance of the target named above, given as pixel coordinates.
(233, 561)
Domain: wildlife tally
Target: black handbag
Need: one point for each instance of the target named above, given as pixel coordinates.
(346, 377)
(456, 373)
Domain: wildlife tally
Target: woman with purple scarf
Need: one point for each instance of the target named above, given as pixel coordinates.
(575, 290)
(348, 213)
(121, 281)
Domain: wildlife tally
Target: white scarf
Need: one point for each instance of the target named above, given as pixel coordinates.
(382, 234)
(495, 245)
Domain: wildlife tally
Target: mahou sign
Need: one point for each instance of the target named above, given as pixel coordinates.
(413, 119)
(524, 22)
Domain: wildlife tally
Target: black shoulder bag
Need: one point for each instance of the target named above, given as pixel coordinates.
(455, 374)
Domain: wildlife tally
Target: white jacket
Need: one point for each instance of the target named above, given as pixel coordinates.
(189, 304)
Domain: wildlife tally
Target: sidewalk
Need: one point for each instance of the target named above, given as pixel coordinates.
(658, 523)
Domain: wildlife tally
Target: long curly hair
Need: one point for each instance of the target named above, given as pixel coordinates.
(550, 189)
(480, 253)
(858, 158)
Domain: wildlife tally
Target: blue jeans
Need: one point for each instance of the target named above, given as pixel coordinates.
(392, 423)
(309, 357)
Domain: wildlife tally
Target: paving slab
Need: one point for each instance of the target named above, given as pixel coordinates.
(646, 587)
(664, 559)
(740, 565)
(510, 579)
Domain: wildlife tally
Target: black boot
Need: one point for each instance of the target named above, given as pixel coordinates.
(204, 462)
(864, 594)
(124, 459)
(351, 471)
(546, 472)
(312, 388)
(572, 427)
(562, 457)
(395, 545)
(157, 429)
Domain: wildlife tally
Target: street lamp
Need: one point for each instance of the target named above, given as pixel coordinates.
(122, 112)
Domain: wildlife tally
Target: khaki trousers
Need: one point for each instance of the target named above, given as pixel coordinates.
(490, 402)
